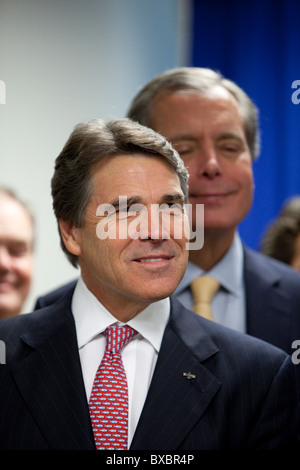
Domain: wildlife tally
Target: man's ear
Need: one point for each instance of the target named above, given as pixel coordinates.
(70, 237)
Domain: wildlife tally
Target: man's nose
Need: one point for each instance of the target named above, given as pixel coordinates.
(154, 226)
(5, 259)
(207, 162)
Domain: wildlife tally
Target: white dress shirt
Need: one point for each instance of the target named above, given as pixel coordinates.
(139, 355)
(228, 305)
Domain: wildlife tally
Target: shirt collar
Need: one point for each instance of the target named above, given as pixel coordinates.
(92, 318)
(232, 261)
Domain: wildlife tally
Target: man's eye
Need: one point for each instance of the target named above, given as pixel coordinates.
(17, 251)
(184, 150)
(124, 209)
(172, 207)
(231, 148)
(130, 210)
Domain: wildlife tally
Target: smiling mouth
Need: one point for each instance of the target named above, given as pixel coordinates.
(210, 198)
(150, 260)
(5, 286)
(210, 195)
(153, 260)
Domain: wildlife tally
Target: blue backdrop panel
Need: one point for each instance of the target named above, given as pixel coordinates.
(256, 43)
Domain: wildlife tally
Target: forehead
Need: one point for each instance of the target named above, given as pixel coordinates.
(136, 172)
(188, 113)
(220, 96)
(216, 98)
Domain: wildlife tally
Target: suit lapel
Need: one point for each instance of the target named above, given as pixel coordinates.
(266, 319)
(50, 380)
(176, 400)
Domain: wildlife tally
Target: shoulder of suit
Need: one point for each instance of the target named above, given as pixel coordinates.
(262, 262)
(229, 341)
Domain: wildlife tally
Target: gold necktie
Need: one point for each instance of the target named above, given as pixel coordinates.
(203, 289)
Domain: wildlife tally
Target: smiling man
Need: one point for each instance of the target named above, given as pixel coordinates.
(16, 253)
(117, 363)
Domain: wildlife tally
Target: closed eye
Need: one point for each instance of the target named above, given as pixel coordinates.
(231, 145)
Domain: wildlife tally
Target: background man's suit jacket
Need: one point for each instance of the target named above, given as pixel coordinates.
(272, 300)
(242, 395)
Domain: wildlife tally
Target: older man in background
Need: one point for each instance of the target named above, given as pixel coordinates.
(213, 124)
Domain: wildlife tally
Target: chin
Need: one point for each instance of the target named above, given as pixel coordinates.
(154, 294)
(160, 295)
(218, 224)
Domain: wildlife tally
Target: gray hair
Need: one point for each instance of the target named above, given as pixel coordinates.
(200, 80)
(90, 143)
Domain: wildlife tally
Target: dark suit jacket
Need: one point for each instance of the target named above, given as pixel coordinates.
(272, 299)
(242, 395)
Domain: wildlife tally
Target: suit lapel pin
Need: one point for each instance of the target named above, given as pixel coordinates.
(189, 375)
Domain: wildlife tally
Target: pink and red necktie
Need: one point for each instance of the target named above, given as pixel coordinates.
(109, 398)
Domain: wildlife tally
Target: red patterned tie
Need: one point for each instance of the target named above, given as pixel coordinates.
(109, 398)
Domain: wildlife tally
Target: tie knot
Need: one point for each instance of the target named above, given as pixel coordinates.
(117, 337)
(204, 288)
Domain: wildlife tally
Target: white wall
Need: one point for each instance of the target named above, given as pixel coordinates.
(66, 61)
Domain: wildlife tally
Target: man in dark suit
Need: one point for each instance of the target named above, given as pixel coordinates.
(119, 193)
(214, 126)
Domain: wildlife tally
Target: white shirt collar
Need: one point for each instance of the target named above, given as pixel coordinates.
(92, 318)
(232, 262)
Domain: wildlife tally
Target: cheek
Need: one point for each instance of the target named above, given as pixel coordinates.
(107, 255)
(247, 185)
(192, 168)
(24, 269)
(242, 175)
(183, 228)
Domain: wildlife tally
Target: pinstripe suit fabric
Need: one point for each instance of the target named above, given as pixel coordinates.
(242, 394)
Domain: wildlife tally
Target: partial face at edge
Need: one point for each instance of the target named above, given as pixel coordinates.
(16, 256)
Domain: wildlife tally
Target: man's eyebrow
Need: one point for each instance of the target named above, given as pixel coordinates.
(124, 200)
(187, 137)
(230, 135)
(181, 137)
(174, 197)
(129, 201)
